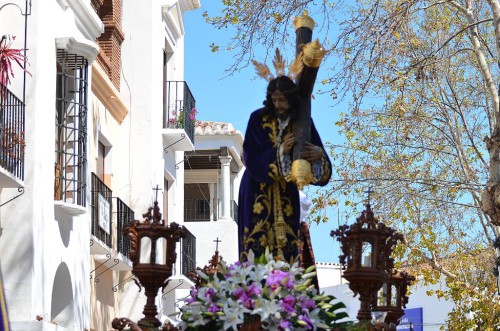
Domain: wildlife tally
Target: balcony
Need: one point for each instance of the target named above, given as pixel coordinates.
(124, 215)
(198, 210)
(101, 206)
(179, 108)
(12, 140)
(109, 217)
(188, 253)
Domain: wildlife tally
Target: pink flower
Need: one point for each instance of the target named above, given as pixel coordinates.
(192, 114)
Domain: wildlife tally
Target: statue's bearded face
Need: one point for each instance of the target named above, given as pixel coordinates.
(281, 104)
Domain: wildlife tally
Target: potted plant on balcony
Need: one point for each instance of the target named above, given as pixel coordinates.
(9, 56)
(177, 121)
(12, 141)
(12, 146)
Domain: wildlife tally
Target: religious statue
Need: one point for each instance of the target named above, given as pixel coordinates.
(282, 152)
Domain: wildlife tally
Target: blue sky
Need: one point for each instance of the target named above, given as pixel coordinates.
(232, 99)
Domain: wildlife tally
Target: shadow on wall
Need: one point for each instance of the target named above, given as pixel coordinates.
(65, 223)
(62, 310)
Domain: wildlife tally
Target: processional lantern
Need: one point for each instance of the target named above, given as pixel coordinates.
(153, 255)
(392, 298)
(308, 58)
(366, 246)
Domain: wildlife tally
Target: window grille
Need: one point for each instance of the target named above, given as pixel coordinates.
(71, 128)
(12, 139)
(101, 205)
(124, 216)
(188, 253)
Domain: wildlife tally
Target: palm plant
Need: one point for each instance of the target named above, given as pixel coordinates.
(8, 56)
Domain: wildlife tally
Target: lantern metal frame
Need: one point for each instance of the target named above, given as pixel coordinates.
(152, 274)
(366, 276)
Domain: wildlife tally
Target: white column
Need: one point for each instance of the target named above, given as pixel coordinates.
(213, 203)
(226, 186)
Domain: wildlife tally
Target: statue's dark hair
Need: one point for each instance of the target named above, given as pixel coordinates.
(285, 85)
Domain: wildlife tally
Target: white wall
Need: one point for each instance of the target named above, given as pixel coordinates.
(146, 36)
(36, 241)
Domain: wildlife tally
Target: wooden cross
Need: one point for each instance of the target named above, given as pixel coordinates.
(369, 192)
(217, 241)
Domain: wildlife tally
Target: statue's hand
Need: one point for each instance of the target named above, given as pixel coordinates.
(312, 152)
(288, 141)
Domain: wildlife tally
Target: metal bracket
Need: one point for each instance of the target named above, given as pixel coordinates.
(177, 164)
(115, 287)
(28, 5)
(181, 281)
(100, 265)
(116, 261)
(183, 135)
(21, 192)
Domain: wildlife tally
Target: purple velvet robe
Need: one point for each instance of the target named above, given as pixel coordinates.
(256, 214)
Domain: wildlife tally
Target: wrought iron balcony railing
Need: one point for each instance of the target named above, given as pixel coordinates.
(199, 210)
(12, 143)
(188, 253)
(234, 211)
(101, 205)
(179, 107)
(124, 215)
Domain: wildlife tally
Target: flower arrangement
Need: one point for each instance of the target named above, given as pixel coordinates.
(178, 121)
(9, 55)
(277, 295)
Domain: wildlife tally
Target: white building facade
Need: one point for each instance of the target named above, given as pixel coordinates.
(102, 125)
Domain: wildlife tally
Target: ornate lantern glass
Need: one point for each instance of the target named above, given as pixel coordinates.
(392, 297)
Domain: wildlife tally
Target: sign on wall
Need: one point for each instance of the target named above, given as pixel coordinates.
(104, 219)
(412, 320)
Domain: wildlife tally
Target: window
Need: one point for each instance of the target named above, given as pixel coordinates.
(101, 165)
(71, 128)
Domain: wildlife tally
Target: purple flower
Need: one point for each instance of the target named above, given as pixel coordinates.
(287, 303)
(253, 289)
(306, 303)
(213, 308)
(284, 324)
(210, 293)
(275, 278)
(248, 302)
(193, 294)
(239, 292)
